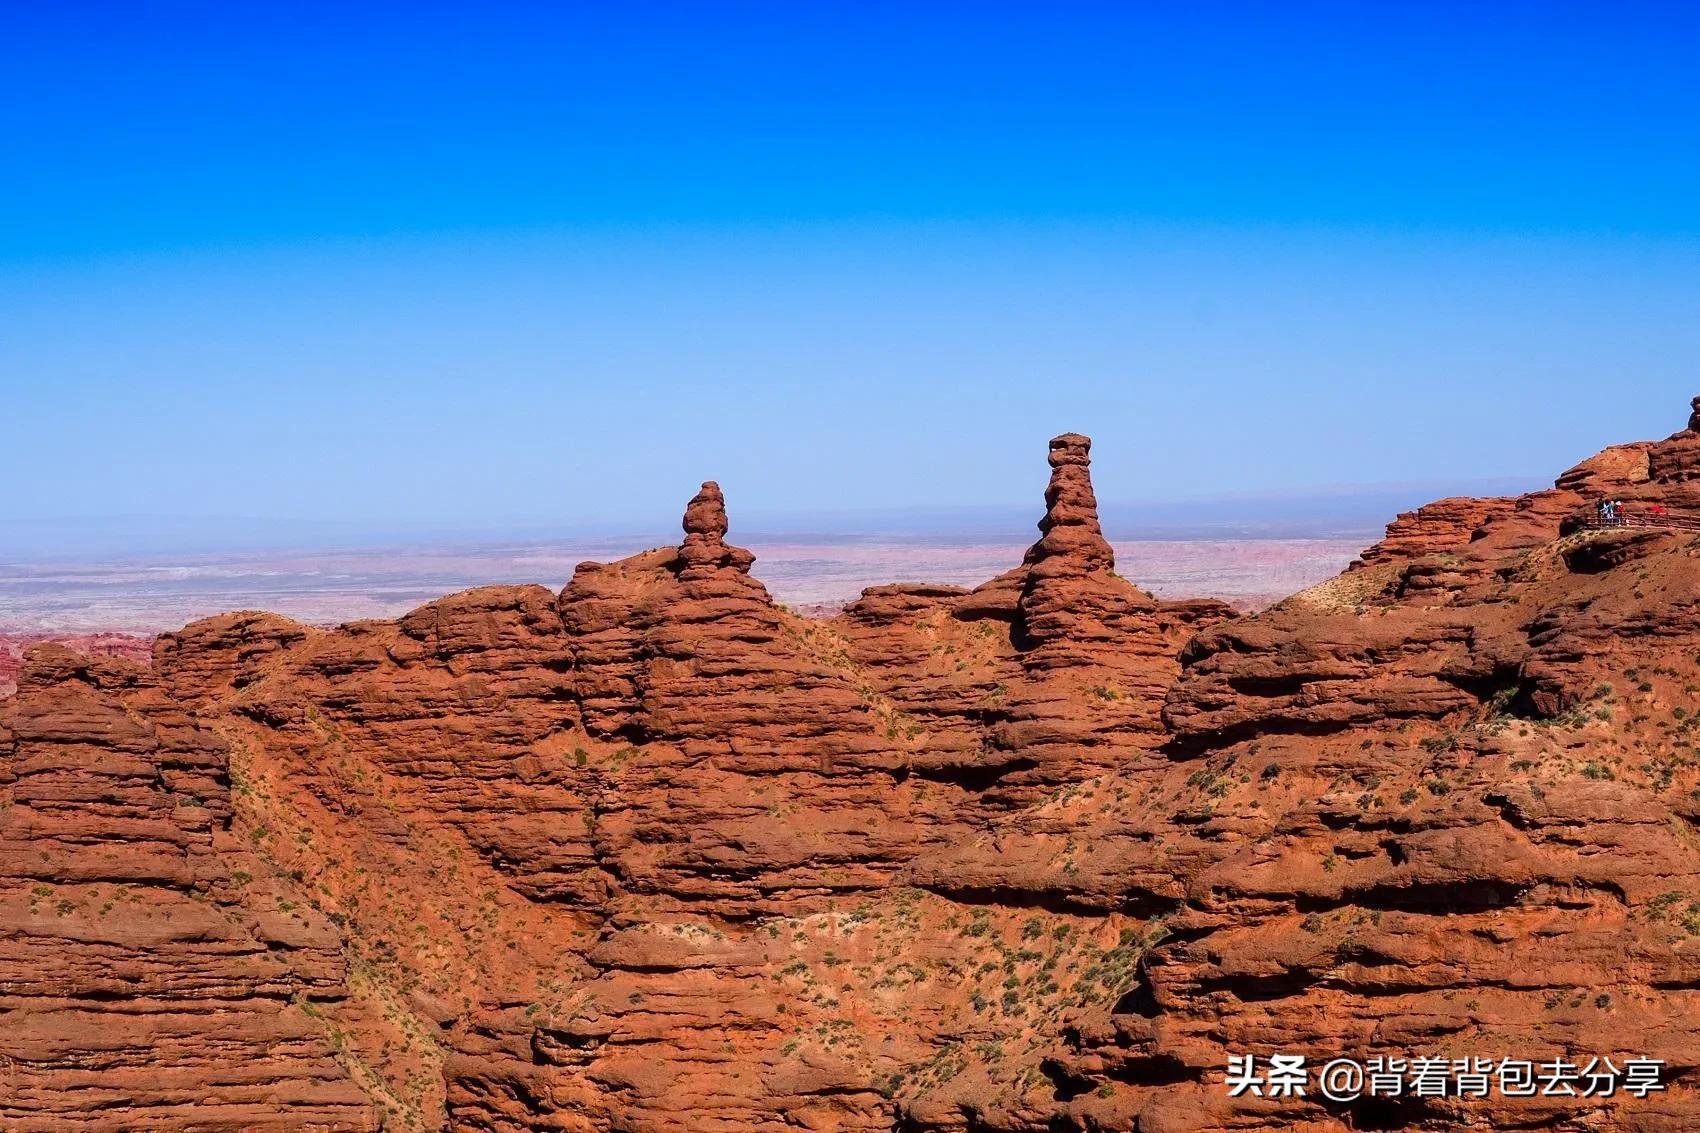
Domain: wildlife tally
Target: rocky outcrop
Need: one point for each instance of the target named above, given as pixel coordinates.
(1439, 806)
(14, 645)
(1465, 600)
(777, 778)
(1041, 675)
(655, 854)
(539, 823)
(153, 974)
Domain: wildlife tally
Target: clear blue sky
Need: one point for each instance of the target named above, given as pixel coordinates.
(556, 263)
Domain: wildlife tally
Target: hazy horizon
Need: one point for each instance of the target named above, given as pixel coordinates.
(1335, 511)
(1248, 548)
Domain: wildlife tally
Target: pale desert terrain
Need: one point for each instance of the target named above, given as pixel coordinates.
(147, 595)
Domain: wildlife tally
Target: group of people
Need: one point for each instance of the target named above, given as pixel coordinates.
(1612, 513)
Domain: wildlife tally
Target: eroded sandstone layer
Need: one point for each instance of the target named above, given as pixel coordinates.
(657, 854)
(14, 645)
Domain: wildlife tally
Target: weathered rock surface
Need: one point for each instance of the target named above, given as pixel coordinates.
(656, 854)
(148, 979)
(1441, 805)
(14, 645)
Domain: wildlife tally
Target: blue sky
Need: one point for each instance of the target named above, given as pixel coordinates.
(554, 264)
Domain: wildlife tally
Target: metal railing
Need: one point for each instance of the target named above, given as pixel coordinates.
(1641, 519)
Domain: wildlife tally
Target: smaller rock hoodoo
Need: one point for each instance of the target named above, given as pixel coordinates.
(705, 547)
(1694, 415)
(705, 515)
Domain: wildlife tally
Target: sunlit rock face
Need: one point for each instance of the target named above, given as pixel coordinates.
(655, 853)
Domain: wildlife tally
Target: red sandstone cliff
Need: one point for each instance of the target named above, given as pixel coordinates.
(655, 854)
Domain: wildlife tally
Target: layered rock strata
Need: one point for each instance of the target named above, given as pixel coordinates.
(656, 854)
(153, 976)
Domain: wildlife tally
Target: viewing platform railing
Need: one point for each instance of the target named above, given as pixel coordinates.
(1672, 522)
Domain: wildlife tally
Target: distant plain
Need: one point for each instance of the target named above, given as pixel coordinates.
(152, 594)
(141, 576)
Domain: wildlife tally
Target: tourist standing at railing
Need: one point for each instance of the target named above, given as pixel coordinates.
(1612, 513)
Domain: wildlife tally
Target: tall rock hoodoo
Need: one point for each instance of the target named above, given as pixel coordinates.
(1070, 538)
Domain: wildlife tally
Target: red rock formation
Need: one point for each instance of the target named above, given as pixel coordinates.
(153, 974)
(13, 645)
(655, 854)
(1441, 805)
(1041, 674)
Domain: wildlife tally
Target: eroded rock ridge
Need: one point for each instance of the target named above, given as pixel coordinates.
(655, 854)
